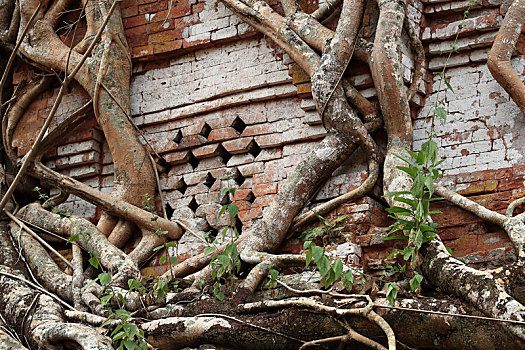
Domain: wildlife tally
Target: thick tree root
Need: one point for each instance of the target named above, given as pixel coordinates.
(89, 237)
(502, 50)
(480, 288)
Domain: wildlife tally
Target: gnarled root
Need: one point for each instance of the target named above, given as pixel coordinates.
(502, 50)
(89, 237)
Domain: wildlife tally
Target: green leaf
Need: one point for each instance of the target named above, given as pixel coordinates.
(411, 163)
(428, 236)
(209, 249)
(415, 282)
(421, 157)
(417, 187)
(340, 218)
(94, 261)
(446, 81)
(308, 257)
(429, 184)
(431, 151)
(157, 248)
(410, 171)
(348, 280)
(399, 210)
(232, 210)
(170, 244)
(162, 259)
(130, 345)
(119, 335)
(391, 194)
(105, 299)
(394, 237)
(441, 114)
(323, 264)
(411, 202)
(123, 314)
(104, 278)
(391, 292)
(337, 267)
(449, 250)
(330, 278)
(117, 328)
(173, 260)
(73, 238)
(223, 209)
(317, 253)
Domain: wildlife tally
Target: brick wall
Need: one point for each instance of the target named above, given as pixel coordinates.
(212, 97)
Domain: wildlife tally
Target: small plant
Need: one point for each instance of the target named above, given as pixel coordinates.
(226, 264)
(126, 334)
(330, 271)
(413, 215)
(50, 204)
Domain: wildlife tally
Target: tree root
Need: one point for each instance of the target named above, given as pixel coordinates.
(502, 50)
(481, 288)
(121, 266)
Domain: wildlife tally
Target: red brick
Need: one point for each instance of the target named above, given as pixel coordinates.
(137, 36)
(260, 190)
(129, 11)
(161, 37)
(238, 146)
(134, 21)
(178, 157)
(167, 46)
(206, 151)
(223, 134)
(153, 7)
(142, 51)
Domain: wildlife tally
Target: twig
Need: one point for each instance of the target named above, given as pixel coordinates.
(38, 238)
(31, 284)
(252, 325)
(65, 83)
(17, 46)
(187, 229)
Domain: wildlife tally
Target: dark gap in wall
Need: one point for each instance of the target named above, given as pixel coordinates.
(223, 154)
(177, 137)
(205, 131)
(254, 149)
(194, 162)
(250, 197)
(169, 211)
(210, 180)
(193, 205)
(181, 185)
(239, 125)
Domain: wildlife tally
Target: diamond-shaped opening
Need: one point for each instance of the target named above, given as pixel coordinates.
(223, 154)
(210, 180)
(193, 205)
(178, 137)
(237, 177)
(181, 185)
(194, 162)
(254, 149)
(239, 125)
(250, 197)
(169, 211)
(205, 131)
(163, 163)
